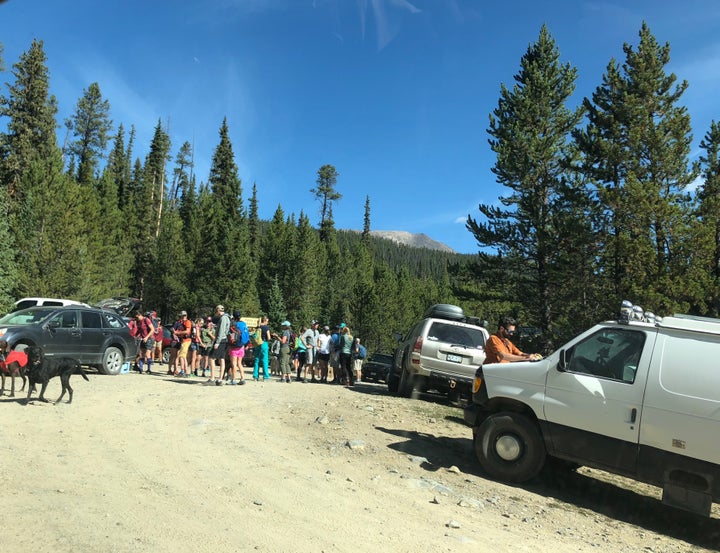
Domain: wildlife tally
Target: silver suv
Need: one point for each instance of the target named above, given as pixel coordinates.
(440, 352)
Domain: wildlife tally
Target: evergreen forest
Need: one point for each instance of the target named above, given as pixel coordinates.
(601, 203)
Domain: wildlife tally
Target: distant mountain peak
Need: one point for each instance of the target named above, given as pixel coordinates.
(420, 240)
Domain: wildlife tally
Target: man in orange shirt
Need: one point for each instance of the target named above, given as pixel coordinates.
(499, 348)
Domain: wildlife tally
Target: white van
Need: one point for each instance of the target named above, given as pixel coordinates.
(51, 302)
(639, 398)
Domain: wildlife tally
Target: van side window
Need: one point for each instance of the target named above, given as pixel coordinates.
(611, 353)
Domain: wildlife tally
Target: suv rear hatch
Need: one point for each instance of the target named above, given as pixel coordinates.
(451, 349)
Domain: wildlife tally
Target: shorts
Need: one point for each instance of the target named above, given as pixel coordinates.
(237, 352)
(148, 344)
(310, 356)
(193, 346)
(323, 357)
(184, 347)
(206, 350)
(219, 352)
(302, 357)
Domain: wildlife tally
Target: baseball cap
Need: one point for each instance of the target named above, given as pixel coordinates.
(326, 327)
(183, 313)
(342, 325)
(219, 308)
(286, 323)
(313, 322)
(208, 319)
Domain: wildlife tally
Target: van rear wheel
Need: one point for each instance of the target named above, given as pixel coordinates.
(509, 447)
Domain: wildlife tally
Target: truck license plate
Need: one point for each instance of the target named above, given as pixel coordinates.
(454, 358)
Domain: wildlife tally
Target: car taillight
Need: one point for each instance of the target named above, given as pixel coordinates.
(416, 349)
(418, 344)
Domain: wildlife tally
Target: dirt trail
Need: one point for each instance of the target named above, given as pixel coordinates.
(159, 464)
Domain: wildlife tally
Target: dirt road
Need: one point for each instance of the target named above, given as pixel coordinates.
(159, 464)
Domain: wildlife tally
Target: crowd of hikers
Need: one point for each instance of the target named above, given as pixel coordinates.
(214, 348)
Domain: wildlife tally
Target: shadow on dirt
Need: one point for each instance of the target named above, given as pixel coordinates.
(571, 489)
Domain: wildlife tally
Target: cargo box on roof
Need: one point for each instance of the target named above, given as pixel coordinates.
(445, 311)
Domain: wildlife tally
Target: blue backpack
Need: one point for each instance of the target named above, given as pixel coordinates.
(244, 333)
(239, 334)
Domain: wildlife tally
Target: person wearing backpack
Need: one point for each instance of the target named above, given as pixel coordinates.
(358, 354)
(238, 338)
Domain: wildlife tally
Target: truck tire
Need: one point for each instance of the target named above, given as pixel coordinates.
(393, 382)
(407, 383)
(509, 447)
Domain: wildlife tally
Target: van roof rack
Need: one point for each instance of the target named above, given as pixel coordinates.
(681, 321)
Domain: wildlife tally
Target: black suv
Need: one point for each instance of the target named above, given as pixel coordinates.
(94, 337)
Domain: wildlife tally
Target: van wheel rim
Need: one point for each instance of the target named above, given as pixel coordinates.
(508, 447)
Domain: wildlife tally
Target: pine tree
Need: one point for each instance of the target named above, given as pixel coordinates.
(530, 129)
(636, 148)
(227, 250)
(90, 125)
(254, 225)
(9, 267)
(306, 274)
(705, 270)
(31, 111)
(148, 190)
(326, 194)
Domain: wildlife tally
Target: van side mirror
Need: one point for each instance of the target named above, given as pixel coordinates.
(562, 363)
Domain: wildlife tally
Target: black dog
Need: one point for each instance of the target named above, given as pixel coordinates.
(41, 369)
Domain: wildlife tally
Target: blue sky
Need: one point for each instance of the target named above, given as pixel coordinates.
(394, 93)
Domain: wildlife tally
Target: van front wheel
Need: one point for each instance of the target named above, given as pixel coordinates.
(509, 447)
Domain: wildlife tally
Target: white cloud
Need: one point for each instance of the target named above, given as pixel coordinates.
(695, 185)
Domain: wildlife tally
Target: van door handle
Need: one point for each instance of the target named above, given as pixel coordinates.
(633, 415)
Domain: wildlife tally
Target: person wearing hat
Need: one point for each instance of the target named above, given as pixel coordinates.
(220, 344)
